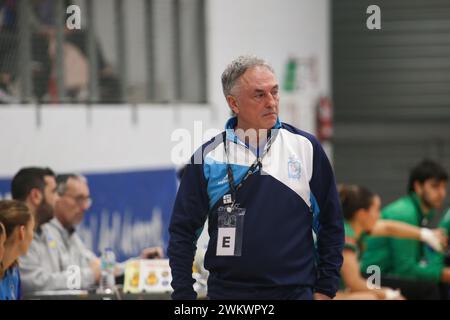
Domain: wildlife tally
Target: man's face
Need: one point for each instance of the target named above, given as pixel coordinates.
(255, 100)
(432, 192)
(45, 209)
(72, 205)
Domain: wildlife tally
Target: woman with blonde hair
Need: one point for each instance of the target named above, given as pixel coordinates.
(18, 225)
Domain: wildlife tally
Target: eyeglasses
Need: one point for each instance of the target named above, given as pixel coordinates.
(81, 200)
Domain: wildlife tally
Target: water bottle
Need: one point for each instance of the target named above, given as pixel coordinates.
(107, 280)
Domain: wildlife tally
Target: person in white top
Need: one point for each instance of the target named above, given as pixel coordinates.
(59, 248)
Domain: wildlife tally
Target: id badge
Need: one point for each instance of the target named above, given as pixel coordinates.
(230, 222)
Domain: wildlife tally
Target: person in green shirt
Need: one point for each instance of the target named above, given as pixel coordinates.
(404, 259)
(445, 222)
(361, 209)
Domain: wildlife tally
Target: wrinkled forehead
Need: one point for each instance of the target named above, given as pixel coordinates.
(258, 77)
(77, 187)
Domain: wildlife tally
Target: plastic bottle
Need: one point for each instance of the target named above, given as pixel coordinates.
(107, 280)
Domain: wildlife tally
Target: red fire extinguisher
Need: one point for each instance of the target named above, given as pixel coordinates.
(324, 118)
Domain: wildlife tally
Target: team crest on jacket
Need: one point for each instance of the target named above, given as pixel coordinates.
(294, 168)
(51, 242)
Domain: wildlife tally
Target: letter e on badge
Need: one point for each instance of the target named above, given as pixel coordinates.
(225, 241)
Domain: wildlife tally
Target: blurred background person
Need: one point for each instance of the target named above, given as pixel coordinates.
(19, 225)
(41, 22)
(46, 266)
(59, 247)
(445, 222)
(403, 260)
(75, 50)
(9, 58)
(361, 209)
(8, 50)
(36, 187)
(2, 242)
(442, 258)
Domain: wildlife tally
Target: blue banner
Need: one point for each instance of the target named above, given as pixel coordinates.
(130, 210)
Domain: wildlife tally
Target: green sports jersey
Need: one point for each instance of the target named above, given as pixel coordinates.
(445, 222)
(403, 257)
(352, 242)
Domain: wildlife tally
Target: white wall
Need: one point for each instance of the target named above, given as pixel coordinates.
(272, 29)
(74, 138)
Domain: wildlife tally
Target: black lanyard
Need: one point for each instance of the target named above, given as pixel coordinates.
(256, 164)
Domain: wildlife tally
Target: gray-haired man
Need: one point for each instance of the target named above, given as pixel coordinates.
(264, 185)
(51, 264)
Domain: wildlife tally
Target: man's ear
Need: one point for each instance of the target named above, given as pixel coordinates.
(417, 187)
(232, 102)
(35, 196)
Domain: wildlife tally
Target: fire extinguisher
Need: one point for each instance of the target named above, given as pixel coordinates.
(324, 119)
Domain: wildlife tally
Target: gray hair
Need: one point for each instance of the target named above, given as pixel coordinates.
(237, 68)
(61, 181)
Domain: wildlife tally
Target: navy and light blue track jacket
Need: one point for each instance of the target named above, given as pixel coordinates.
(292, 194)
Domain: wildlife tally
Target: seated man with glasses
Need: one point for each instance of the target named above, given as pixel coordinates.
(63, 249)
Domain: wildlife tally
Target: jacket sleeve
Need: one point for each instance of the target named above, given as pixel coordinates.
(445, 222)
(407, 253)
(328, 224)
(188, 217)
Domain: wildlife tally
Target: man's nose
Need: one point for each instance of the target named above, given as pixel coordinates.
(85, 206)
(272, 101)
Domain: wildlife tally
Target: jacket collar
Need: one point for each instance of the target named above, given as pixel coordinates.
(417, 203)
(231, 124)
(55, 222)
